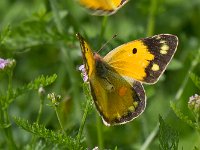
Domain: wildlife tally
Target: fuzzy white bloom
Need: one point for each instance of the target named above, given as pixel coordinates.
(84, 73)
(3, 63)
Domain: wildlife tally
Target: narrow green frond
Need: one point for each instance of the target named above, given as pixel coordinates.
(168, 137)
(49, 135)
(34, 85)
(42, 80)
(4, 34)
(182, 116)
(195, 79)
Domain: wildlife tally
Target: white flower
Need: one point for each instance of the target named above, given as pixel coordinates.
(84, 73)
(194, 103)
(3, 63)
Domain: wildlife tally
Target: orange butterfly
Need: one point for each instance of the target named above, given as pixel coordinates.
(116, 79)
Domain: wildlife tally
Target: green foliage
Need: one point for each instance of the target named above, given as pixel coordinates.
(41, 81)
(195, 79)
(195, 148)
(88, 105)
(182, 116)
(4, 34)
(168, 137)
(11, 95)
(49, 135)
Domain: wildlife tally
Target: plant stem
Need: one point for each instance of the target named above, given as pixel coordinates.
(83, 120)
(40, 109)
(38, 116)
(8, 130)
(151, 19)
(58, 117)
(99, 132)
(56, 15)
(150, 138)
(103, 29)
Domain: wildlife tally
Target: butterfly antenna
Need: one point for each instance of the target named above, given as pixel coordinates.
(114, 36)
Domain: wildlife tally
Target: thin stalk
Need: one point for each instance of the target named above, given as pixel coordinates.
(56, 15)
(150, 138)
(8, 130)
(99, 132)
(41, 94)
(40, 109)
(177, 97)
(151, 18)
(103, 29)
(83, 120)
(59, 120)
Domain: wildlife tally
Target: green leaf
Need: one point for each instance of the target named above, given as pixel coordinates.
(34, 85)
(41, 81)
(168, 137)
(195, 79)
(5, 32)
(181, 116)
(196, 148)
(4, 125)
(49, 135)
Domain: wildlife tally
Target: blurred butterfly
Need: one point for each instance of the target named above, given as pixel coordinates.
(116, 79)
(102, 7)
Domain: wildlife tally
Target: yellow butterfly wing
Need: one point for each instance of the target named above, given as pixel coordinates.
(116, 100)
(144, 59)
(103, 7)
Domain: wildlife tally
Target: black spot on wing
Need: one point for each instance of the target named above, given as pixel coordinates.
(154, 45)
(134, 50)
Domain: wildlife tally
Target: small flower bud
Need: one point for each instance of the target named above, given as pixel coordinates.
(95, 148)
(3, 63)
(41, 91)
(7, 63)
(194, 103)
(55, 99)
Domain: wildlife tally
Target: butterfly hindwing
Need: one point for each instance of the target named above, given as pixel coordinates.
(117, 101)
(102, 7)
(144, 59)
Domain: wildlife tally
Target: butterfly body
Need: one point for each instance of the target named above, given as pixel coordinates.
(116, 79)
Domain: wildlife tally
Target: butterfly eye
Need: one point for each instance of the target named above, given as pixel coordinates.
(134, 50)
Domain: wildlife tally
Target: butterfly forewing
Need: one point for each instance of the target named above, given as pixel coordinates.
(145, 59)
(87, 54)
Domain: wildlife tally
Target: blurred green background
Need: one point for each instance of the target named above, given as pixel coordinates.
(42, 40)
